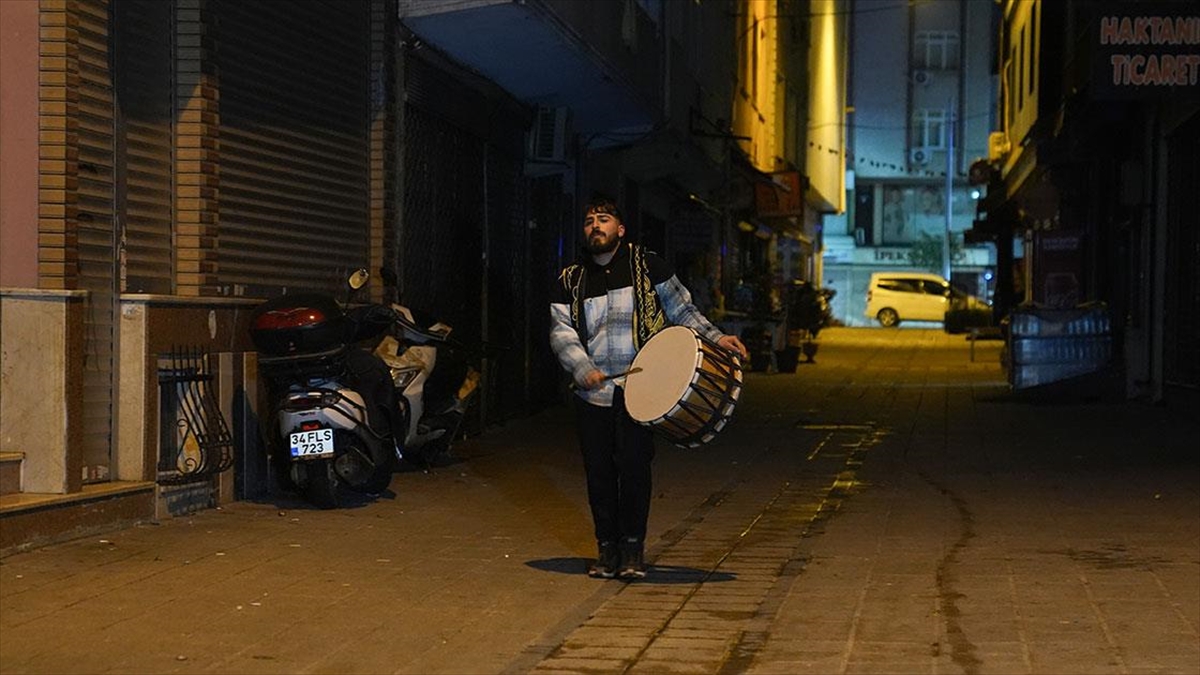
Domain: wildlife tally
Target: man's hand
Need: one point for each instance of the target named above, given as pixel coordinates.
(593, 379)
(733, 344)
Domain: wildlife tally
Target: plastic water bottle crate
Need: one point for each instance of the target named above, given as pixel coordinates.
(1031, 323)
(1093, 349)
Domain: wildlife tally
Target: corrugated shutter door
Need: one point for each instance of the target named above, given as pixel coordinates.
(508, 267)
(97, 244)
(464, 212)
(142, 64)
(294, 198)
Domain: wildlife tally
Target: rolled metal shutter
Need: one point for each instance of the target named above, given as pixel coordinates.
(442, 242)
(1181, 337)
(465, 241)
(294, 202)
(97, 242)
(143, 69)
(508, 267)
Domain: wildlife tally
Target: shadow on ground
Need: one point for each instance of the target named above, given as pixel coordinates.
(657, 574)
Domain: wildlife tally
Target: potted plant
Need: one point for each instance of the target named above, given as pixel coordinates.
(808, 312)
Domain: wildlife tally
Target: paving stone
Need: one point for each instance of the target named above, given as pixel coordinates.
(949, 527)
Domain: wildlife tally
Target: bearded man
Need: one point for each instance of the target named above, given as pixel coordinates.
(604, 309)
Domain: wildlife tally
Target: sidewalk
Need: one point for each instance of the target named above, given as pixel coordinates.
(890, 508)
(993, 535)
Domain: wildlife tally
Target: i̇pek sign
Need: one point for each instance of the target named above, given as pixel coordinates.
(881, 257)
(1146, 50)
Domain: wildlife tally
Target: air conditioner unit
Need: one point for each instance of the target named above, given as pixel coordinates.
(998, 146)
(922, 77)
(548, 139)
(918, 156)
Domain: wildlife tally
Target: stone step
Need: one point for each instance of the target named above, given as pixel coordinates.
(10, 472)
(30, 519)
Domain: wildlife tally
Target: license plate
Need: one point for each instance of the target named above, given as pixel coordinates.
(313, 443)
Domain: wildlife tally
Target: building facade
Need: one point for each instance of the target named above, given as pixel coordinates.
(1093, 169)
(168, 164)
(922, 98)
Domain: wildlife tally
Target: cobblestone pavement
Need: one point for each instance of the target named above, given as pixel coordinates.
(891, 508)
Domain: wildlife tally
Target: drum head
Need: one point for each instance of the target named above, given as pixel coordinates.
(668, 364)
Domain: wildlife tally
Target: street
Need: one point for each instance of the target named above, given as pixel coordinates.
(890, 508)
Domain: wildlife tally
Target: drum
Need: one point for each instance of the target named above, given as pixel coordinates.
(683, 386)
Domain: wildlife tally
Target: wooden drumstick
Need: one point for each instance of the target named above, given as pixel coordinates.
(628, 372)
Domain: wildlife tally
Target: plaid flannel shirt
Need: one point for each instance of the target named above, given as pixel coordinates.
(608, 311)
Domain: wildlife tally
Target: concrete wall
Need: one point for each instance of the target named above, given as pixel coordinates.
(36, 369)
(153, 326)
(880, 91)
(38, 415)
(825, 162)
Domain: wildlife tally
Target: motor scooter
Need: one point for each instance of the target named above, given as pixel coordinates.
(331, 409)
(434, 383)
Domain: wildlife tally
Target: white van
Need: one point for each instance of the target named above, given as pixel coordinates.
(893, 297)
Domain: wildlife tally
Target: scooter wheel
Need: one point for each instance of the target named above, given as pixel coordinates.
(321, 484)
(364, 464)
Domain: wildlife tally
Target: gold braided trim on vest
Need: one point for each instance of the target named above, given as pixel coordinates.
(648, 316)
(571, 279)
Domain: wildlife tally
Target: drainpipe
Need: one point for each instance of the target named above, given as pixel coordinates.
(666, 62)
(486, 382)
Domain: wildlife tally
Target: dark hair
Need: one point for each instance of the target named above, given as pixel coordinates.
(603, 204)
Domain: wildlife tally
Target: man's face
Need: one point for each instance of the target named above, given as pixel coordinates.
(602, 231)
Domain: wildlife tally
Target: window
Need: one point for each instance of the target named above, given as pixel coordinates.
(935, 50)
(746, 53)
(1033, 17)
(934, 287)
(1022, 56)
(929, 129)
(901, 285)
(791, 115)
(754, 47)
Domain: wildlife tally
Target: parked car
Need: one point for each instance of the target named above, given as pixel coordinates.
(893, 297)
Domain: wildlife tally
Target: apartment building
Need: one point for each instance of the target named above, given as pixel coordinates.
(921, 103)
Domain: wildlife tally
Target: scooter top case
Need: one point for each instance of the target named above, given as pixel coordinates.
(299, 323)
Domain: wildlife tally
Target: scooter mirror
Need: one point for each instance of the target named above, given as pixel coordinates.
(358, 279)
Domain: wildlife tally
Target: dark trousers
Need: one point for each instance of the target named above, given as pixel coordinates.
(617, 453)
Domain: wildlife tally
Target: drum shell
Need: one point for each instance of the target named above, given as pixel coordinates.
(707, 402)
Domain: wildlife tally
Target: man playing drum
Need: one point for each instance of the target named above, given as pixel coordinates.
(606, 306)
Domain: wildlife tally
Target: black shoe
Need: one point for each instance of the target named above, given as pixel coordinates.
(605, 566)
(633, 564)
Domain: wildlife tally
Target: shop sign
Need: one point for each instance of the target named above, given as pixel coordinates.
(882, 257)
(783, 196)
(1146, 50)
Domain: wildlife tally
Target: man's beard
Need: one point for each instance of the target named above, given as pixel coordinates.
(598, 246)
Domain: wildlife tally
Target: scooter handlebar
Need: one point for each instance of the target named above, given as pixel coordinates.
(438, 332)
